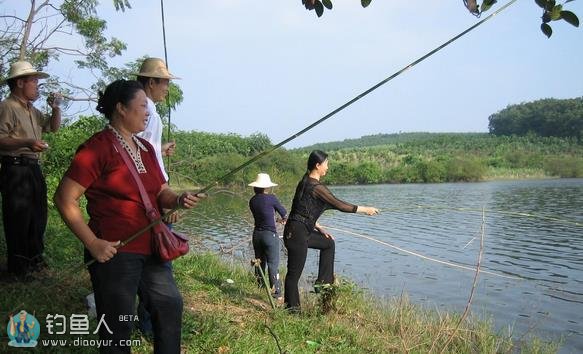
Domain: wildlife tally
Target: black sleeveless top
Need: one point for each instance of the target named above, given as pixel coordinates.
(308, 206)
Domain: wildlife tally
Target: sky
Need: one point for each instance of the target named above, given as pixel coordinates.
(274, 67)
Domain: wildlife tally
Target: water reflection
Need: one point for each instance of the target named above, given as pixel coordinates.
(531, 232)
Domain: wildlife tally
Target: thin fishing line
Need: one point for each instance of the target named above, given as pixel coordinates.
(529, 215)
(318, 122)
(455, 265)
(494, 211)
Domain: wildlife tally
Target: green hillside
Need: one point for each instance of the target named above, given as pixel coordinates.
(449, 157)
(386, 139)
(203, 158)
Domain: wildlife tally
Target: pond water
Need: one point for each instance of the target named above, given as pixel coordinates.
(532, 254)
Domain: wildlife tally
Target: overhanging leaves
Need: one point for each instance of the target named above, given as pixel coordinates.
(556, 12)
(487, 4)
(319, 8)
(547, 30)
(121, 5)
(570, 17)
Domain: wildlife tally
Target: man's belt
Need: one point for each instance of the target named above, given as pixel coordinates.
(18, 160)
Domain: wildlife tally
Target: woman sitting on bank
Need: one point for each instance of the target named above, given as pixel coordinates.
(302, 230)
(116, 211)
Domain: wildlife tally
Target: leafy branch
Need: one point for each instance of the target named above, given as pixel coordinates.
(551, 11)
(33, 34)
(319, 5)
(554, 12)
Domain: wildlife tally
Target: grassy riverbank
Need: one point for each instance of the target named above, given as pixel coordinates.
(225, 317)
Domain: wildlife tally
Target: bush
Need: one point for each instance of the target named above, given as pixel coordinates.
(62, 147)
(402, 174)
(565, 166)
(341, 173)
(430, 171)
(368, 173)
(464, 170)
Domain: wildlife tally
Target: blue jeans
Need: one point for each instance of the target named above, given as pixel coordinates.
(116, 283)
(266, 247)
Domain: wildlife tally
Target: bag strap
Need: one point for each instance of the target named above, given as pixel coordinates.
(151, 212)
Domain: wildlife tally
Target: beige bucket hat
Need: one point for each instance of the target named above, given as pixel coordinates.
(24, 68)
(156, 68)
(262, 181)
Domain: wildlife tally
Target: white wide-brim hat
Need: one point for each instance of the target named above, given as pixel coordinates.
(262, 181)
(156, 68)
(24, 68)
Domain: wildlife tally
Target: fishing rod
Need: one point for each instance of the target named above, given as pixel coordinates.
(268, 151)
(167, 66)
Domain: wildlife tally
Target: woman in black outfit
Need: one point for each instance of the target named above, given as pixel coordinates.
(302, 230)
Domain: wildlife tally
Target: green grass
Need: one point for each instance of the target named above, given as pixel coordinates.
(225, 317)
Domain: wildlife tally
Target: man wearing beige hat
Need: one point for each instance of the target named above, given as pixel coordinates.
(156, 80)
(23, 187)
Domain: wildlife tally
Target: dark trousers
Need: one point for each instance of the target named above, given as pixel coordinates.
(24, 213)
(266, 247)
(298, 239)
(116, 284)
(145, 320)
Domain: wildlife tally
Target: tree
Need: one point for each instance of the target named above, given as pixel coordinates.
(33, 37)
(551, 11)
(547, 117)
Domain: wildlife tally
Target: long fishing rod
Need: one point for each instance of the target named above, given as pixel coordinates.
(358, 97)
(167, 66)
(318, 122)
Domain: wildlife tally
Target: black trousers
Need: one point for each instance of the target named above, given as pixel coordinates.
(24, 213)
(116, 284)
(298, 239)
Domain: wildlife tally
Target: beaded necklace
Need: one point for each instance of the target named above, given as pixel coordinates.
(136, 156)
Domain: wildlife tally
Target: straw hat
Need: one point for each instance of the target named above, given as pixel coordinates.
(262, 181)
(24, 68)
(156, 68)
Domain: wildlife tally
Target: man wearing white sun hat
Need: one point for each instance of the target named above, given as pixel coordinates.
(265, 241)
(24, 191)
